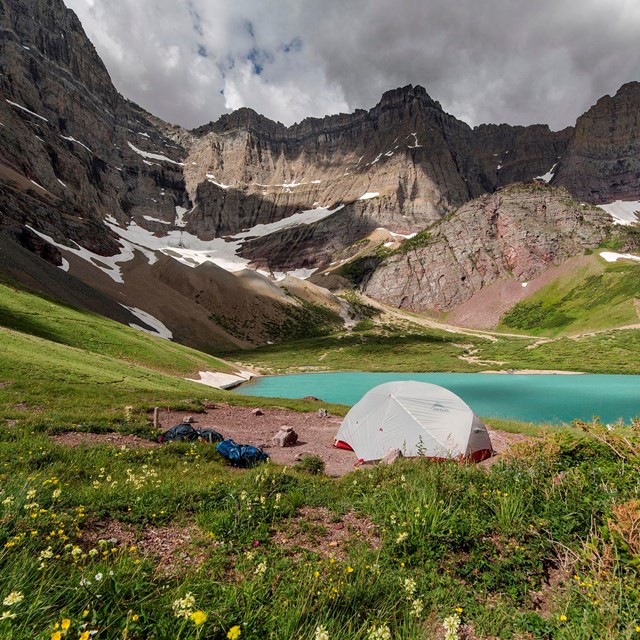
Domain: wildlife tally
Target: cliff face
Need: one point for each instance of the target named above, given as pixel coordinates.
(602, 162)
(515, 233)
(420, 160)
(65, 154)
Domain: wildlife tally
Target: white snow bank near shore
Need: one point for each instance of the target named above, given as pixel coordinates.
(222, 380)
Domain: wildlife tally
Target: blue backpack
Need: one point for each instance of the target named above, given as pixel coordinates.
(241, 455)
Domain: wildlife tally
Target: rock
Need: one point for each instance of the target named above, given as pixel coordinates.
(286, 437)
(258, 412)
(602, 163)
(189, 420)
(391, 456)
(322, 413)
(209, 405)
(517, 232)
(312, 399)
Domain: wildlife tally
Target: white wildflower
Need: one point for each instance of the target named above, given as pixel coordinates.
(451, 625)
(321, 633)
(46, 554)
(402, 537)
(13, 598)
(409, 586)
(379, 633)
(416, 607)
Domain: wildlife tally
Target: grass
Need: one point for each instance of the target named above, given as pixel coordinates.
(541, 545)
(62, 368)
(34, 314)
(417, 349)
(168, 542)
(596, 296)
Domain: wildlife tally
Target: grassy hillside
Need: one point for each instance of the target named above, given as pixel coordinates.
(31, 313)
(597, 296)
(411, 347)
(62, 368)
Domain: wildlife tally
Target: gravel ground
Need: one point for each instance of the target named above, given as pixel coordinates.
(315, 434)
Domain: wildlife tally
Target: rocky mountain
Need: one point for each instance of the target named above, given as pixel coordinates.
(602, 161)
(515, 233)
(112, 209)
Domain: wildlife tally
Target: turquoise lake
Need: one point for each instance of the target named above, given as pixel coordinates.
(531, 398)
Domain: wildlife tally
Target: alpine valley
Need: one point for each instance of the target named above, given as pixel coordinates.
(244, 231)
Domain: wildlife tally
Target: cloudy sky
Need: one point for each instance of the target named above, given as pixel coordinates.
(514, 61)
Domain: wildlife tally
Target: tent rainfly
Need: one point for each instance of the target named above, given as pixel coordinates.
(419, 418)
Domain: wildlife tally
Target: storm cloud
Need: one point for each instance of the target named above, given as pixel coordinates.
(513, 61)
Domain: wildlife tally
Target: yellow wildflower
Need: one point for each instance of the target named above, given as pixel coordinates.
(56, 635)
(563, 618)
(84, 635)
(234, 632)
(65, 624)
(135, 617)
(459, 609)
(198, 617)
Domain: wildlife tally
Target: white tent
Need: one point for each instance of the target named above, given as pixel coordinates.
(419, 418)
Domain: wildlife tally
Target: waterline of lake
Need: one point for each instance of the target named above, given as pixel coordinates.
(536, 398)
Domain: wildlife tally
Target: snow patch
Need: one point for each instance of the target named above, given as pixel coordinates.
(38, 185)
(610, 256)
(525, 284)
(65, 265)
(62, 183)
(547, 176)
(180, 213)
(415, 144)
(71, 139)
(152, 219)
(369, 195)
(221, 380)
(157, 327)
(377, 158)
(303, 218)
(33, 113)
(301, 274)
(211, 178)
(623, 212)
(153, 156)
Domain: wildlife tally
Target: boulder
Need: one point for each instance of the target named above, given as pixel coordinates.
(286, 437)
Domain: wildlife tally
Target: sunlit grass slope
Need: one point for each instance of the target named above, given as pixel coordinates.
(63, 368)
(596, 296)
(34, 314)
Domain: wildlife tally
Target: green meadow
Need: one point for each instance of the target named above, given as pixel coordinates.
(136, 543)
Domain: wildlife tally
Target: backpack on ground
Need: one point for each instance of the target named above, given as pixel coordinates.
(182, 432)
(209, 435)
(241, 455)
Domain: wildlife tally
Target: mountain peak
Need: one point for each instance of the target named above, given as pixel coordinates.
(405, 95)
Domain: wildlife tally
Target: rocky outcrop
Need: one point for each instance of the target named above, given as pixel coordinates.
(602, 162)
(245, 169)
(515, 233)
(68, 136)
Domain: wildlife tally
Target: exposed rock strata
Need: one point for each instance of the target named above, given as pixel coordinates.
(515, 233)
(602, 163)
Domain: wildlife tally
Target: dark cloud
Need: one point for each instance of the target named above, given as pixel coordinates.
(510, 61)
